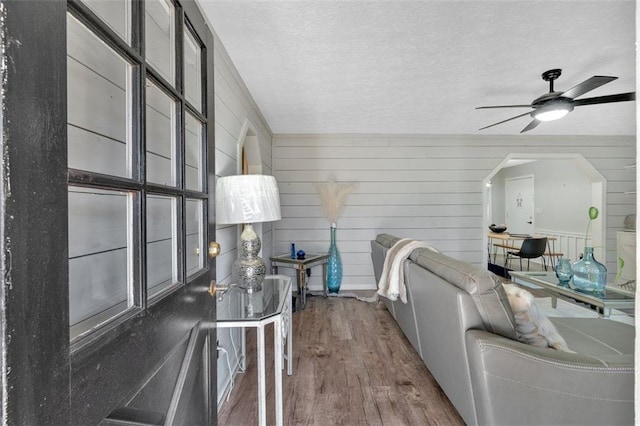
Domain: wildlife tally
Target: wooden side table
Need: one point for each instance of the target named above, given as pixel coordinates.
(301, 265)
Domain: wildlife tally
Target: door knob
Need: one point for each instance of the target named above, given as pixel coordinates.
(214, 249)
(220, 289)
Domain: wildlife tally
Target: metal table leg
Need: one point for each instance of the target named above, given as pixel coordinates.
(302, 286)
(551, 246)
(277, 365)
(262, 388)
(324, 279)
(290, 346)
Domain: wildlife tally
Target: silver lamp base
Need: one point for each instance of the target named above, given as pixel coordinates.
(249, 273)
(249, 269)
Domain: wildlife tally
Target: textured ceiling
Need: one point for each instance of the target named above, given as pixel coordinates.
(423, 66)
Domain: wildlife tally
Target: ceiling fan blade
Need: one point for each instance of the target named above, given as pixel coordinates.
(620, 97)
(505, 106)
(531, 125)
(588, 85)
(504, 121)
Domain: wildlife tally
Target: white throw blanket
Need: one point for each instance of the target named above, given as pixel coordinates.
(392, 283)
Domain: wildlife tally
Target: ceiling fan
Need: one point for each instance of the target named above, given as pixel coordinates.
(555, 105)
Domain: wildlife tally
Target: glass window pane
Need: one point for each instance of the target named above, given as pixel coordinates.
(195, 235)
(192, 71)
(193, 153)
(115, 13)
(159, 31)
(161, 150)
(99, 256)
(99, 104)
(162, 248)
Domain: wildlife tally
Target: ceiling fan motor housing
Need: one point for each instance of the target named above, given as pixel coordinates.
(539, 101)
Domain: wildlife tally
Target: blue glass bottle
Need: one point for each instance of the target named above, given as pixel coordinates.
(334, 265)
(589, 275)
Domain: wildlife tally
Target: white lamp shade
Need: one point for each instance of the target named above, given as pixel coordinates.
(247, 199)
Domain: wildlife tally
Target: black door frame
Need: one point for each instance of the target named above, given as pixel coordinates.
(33, 204)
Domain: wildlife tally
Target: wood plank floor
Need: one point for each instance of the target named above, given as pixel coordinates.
(352, 366)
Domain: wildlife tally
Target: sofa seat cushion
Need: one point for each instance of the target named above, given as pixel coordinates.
(596, 337)
(483, 286)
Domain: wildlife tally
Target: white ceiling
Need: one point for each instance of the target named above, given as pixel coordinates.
(423, 66)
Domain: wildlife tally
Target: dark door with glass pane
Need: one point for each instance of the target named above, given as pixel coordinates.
(108, 126)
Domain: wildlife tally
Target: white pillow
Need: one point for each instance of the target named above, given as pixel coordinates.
(532, 326)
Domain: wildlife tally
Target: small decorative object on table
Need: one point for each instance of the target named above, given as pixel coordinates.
(301, 254)
(293, 251)
(563, 271)
(332, 197)
(589, 275)
(498, 229)
(630, 222)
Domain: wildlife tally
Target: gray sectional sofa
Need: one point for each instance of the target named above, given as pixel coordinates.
(458, 319)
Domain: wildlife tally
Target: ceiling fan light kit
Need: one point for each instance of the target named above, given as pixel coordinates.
(555, 105)
(553, 110)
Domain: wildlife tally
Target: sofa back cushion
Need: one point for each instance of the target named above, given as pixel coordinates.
(483, 286)
(386, 240)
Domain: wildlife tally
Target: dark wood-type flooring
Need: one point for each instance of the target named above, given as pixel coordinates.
(352, 366)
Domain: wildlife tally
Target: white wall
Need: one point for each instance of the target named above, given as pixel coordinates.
(234, 107)
(425, 187)
(562, 194)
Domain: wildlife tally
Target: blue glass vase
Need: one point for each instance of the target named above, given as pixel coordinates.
(334, 265)
(589, 275)
(563, 271)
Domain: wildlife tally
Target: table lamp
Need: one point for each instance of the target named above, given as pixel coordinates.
(247, 199)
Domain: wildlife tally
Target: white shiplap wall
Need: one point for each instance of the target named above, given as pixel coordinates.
(427, 187)
(234, 109)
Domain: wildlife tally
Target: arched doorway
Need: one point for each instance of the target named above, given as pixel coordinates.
(250, 159)
(570, 239)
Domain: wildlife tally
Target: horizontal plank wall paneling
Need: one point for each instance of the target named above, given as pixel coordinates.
(233, 107)
(425, 187)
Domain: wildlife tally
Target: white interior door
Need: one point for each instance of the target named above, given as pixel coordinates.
(519, 205)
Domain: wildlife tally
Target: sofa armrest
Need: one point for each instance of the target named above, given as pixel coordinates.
(515, 383)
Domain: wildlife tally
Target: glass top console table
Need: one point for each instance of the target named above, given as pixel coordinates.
(258, 309)
(614, 298)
